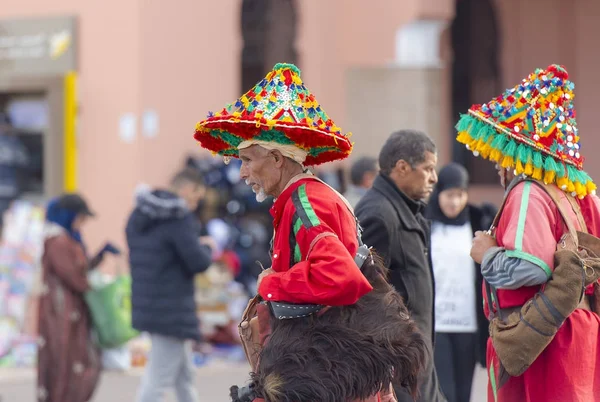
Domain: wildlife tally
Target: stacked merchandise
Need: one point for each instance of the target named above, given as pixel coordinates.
(20, 253)
(221, 301)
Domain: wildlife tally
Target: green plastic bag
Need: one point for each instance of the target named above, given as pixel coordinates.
(110, 307)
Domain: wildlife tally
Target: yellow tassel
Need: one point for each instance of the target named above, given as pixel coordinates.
(236, 114)
(519, 167)
(590, 186)
(309, 121)
(485, 151)
(507, 162)
(480, 144)
(528, 169)
(473, 145)
(570, 186)
(464, 137)
(271, 123)
(495, 155)
(562, 183)
(549, 176)
(537, 174)
(580, 189)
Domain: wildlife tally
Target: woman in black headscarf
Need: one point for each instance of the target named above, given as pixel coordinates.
(460, 325)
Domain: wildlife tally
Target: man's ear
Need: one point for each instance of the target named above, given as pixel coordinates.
(278, 156)
(403, 167)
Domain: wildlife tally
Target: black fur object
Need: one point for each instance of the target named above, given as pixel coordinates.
(348, 353)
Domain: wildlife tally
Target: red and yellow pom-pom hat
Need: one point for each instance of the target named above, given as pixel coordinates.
(532, 129)
(278, 110)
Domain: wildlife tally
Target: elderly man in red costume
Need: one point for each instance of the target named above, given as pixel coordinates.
(276, 129)
(531, 133)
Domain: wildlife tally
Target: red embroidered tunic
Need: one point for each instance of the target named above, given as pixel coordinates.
(313, 248)
(567, 370)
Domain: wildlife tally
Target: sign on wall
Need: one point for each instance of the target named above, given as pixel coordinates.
(44, 46)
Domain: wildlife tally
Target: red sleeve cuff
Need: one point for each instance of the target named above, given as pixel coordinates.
(269, 287)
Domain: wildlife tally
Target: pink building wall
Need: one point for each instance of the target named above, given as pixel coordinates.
(183, 61)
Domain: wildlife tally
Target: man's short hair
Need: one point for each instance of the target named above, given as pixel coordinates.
(362, 166)
(407, 145)
(188, 176)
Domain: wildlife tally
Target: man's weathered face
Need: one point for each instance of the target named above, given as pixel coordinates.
(418, 181)
(259, 171)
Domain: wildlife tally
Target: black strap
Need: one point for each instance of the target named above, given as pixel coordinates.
(283, 311)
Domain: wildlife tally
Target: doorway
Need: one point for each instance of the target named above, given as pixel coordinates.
(476, 75)
(36, 108)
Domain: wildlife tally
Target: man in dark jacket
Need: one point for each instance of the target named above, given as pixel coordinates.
(391, 216)
(165, 254)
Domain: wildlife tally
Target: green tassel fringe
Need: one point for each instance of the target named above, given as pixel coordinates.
(499, 142)
(551, 165)
(510, 149)
(538, 161)
(479, 130)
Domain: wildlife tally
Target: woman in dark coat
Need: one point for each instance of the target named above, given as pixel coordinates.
(460, 324)
(68, 360)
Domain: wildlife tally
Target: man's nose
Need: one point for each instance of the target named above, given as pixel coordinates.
(243, 172)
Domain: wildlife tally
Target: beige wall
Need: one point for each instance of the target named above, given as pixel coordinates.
(180, 61)
(183, 60)
(339, 35)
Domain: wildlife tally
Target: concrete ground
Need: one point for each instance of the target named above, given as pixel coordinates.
(214, 380)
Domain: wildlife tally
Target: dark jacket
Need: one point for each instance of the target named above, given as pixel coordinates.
(164, 255)
(395, 227)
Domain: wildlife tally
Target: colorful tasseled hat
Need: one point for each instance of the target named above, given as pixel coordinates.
(532, 129)
(281, 110)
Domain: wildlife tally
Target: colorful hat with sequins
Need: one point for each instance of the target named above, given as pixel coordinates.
(532, 129)
(279, 109)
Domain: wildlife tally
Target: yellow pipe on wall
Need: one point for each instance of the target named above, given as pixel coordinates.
(70, 133)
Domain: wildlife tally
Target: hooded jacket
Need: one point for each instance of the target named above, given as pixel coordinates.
(164, 255)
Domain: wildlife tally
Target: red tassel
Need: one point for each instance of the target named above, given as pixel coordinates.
(560, 72)
(288, 77)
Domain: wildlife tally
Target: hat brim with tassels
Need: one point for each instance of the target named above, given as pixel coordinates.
(531, 128)
(278, 109)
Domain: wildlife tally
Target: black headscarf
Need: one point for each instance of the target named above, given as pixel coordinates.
(452, 175)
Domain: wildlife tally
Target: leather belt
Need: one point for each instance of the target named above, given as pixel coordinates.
(285, 311)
